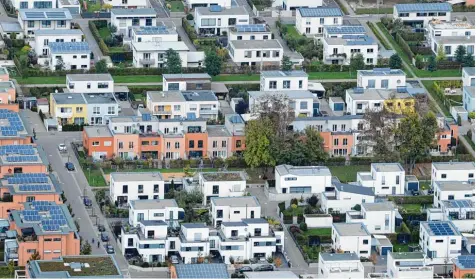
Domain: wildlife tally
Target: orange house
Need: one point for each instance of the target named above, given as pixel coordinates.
(4, 75)
(341, 143)
(150, 145)
(174, 146)
(17, 189)
(9, 119)
(13, 160)
(44, 228)
(7, 92)
(196, 145)
(126, 145)
(461, 268)
(238, 144)
(444, 137)
(98, 142)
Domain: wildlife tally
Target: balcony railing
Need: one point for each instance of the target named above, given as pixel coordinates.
(415, 268)
(148, 61)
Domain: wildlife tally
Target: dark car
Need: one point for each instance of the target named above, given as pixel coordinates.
(69, 166)
(104, 237)
(110, 249)
(430, 192)
(101, 228)
(267, 267)
(87, 201)
(415, 193)
(244, 269)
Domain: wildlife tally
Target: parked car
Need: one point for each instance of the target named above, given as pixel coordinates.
(87, 201)
(101, 228)
(104, 237)
(415, 193)
(174, 259)
(244, 269)
(430, 192)
(110, 249)
(267, 267)
(69, 166)
(62, 147)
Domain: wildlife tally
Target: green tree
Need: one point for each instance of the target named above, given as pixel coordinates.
(460, 53)
(419, 61)
(313, 146)
(59, 64)
(213, 63)
(432, 66)
(440, 54)
(174, 62)
(395, 62)
(468, 60)
(286, 63)
(101, 66)
(357, 62)
(258, 142)
(11, 267)
(86, 248)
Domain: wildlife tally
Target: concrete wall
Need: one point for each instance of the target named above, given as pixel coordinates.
(318, 220)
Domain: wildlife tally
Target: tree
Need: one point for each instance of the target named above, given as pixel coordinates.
(35, 256)
(312, 201)
(397, 26)
(440, 54)
(11, 267)
(258, 143)
(101, 66)
(395, 62)
(357, 62)
(107, 7)
(313, 146)
(277, 109)
(222, 53)
(212, 63)
(357, 207)
(432, 66)
(468, 60)
(241, 107)
(174, 62)
(286, 63)
(278, 262)
(86, 248)
(419, 61)
(59, 64)
(460, 53)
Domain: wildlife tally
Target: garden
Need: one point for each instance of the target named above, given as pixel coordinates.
(111, 44)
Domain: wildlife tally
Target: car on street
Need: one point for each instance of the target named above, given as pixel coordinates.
(110, 249)
(101, 228)
(104, 237)
(69, 166)
(87, 201)
(62, 147)
(174, 259)
(266, 267)
(243, 269)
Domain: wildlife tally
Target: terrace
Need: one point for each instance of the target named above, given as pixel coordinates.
(224, 176)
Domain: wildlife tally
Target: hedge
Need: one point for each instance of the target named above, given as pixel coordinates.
(189, 29)
(421, 50)
(404, 45)
(377, 34)
(93, 26)
(411, 199)
(413, 37)
(72, 127)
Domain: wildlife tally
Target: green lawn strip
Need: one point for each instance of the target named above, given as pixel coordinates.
(348, 173)
(425, 185)
(378, 35)
(470, 141)
(429, 86)
(176, 6)
(403, 247)
(42, 80)
(137, 79)
(236, 78)
(104, 33)
(412, 208)
(331, 75)
(370, 11)
(95, 178)
(318, 232)
(5, 272)
(292, 31)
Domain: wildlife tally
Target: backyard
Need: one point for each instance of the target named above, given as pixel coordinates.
(309, 240)
(348, 173)
(175, 6)
(431, 89)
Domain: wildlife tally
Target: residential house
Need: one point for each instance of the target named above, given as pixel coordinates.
(35, 19)
(468, 98)
(377, 217)
(440, 241)
(420, 14)
(233, 209)
(222, 184)
(300, 101)
(359, 100)
(100, 107)
(10, 29)
(384, 178)
(194, 242)
(89, 83)
(125, 186)
(186, 82)
(68, 108)
(408, 265)
(22, 159)
(302, 180)
(459, 212)
(381, 78)
(345, 197)
(291, 5)
(219, 142)
(253, 52)
(44, 36)
(165, 210)
(152, 54)
(217, 21)
(30, 4)
(463, 266)
(98, 142)
(311, 21)
(351, 238)
(69, 56)
(452, 171)
(152, 33)
(210, 270)
(249, 32)
(126, 19)
(468, 76)
(235, 124)
(283, 80)
(340, 266)
(339, 31)
(452, 190)
(341, 50)
(192, 4)
(127, 4)
(448, 35)
(12, 126)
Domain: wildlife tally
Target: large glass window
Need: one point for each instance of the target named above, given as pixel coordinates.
(209, 22)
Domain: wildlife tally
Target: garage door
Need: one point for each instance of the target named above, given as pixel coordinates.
(385, 250)
(413, 186)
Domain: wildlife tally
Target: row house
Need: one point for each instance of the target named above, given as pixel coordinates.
(452, 190)
(420, 14)
(345, 197)
(89, 83)
(378, 218)
(233, 209)
(12, 123)
(13, 160)
(459, 212)
(312, 21)
(446, 136)
(449, 35)
(300, 101)
(341, 50)
(283, 80)
(384, 179)
(452, 171)
(125, 186)
(31, 20)
(441, 241)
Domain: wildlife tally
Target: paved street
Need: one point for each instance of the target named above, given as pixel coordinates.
(93, 45)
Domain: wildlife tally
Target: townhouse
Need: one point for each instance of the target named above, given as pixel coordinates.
(221, 184)
(420, 14)
(463, 266)
(459, 212)
(302, 180)
(452, 190)
(381, 78)
(45, 228)
(253, 52)
(12, 125)
(192, 4)
(283, 80)
(345, 197)
(44, 36)
(218, 142)
(448, 35)
(74, 267)
(98, 142)
(359, 100)
(452, 171)
(215, 20)
(233, 209)
(69, 56)
(35, 19)
(186, 82)
(468, 76)
(311, 21)
(341, 50)
(384, 179)
(377, 217)
(440, 241)
(89, 83)
(340, 266)
(250, 32)
(446, 136)
(351, 238)
(235, 124)
(100, 107)
(125, 186)
(408, 265)
(126, 19)
(22, 159)
(468, 97)
(300, 101)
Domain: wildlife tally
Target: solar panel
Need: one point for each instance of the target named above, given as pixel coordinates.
(33, 15)
(345, 30)
(320, 12)
(152, 30)
(69, 47)
(441, 229)
(251, 28)
(52, 15)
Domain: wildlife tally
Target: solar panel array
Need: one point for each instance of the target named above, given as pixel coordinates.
(441, 229)
(467, 261)
(213, 270)
(345, 29)
(35, 187)
(17, 149)
(251, 28)
(152, 30)
(34, 178)
(69, 47)
(14, 120)
(215, 8)
(320, 12)
(19, 159)
(45, 15)
(461, 204)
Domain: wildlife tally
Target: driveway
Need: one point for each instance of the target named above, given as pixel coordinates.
(93, 45)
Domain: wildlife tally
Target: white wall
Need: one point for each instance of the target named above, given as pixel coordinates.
(116, 189)
(201, 3)
(352, 244)
(128, 3)
(315, 25)
(289, 5)
(234, 213)
(17, 5)
(446, 16)
(452, 173)
(369, 52)
(226, 189)
(220, 21)
(296, 83)
(444, 249)
(340, 269)
(394, 81)
(81, 61)
(37, 24)
(318, 183)
(107, 86)
(275, 55)
(344, 201)
(322, 221)
(232, 35)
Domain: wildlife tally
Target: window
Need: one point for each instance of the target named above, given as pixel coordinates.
(447, 50)
(154, 142)
(265, 37)
(200, 144)
(276, 53)
(273, 84)
(257, 232)
(173, 86)
(239, 38)
(384, 83)
(452, 241)
(370, 50)
(439, 241)
(131, 144)
(46, 23)
(176, 107)
(397, 179)
(219, 213)
(23, 5)
(441, 14)
(31, 251)
(223, 143)
(238, 144)
(286, 84)
(156, 188)
(111, 110)
(95, 143)
(383, 179)
(30, 199)
(258, 53)
(443, 175)
(125, 189)
(303, 105)
(451, 197)
(370, 60)
(342, 127)
(148, 22)
(208, 22)
(344, 142)
(365, 241)
(378, 228)
(215, 190)
(231, 21)
(359, 106)
(31, 24)
(79, 109)
(471, 175)
(336, 141)
(290, 178)
(300, 84)
(334, 128)
(252, 37)
(191, 144)
(96, 110)
(321, 20)
(177, 144)
(101, 85)
(140, 189)
(336, 20)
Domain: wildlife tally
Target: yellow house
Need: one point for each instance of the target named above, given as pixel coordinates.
(400, 103)
(68, 108)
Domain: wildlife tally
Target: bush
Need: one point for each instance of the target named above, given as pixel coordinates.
(189, 17)
(294, 201)
(312, 201)
(303, 226)
(94, 25)
(404, 45)
(189, 29)
(145, 264)
(411, 199)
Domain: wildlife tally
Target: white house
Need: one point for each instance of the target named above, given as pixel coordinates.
(306, 179)
(410, 265)
(381, 78)
(44, 36)
(253, 52)
(234, 209)
(192, 4)
(419, 14)
(460, 212)
(468, 98)
(452, 190)
(217, 21)
(128, 4)
(341, 50)
(89, 83)
(194, 242)
(69, 56)
(129, 186)
(249, 32)
(34, 19)
(452, 171)
(182, 82)
(153, 54)
(384, 178)
(358, 100)
(100, 107)
(30, 4)
(152, 34)
(440, 241)
(339, 31)
(283, 80)
(468, 77)
(74, 6)
(301, 101)
(126, 19)
(351, 238)
(222, 184)
(449, 35)
(345, 197)
(338, 266)
(291, 5)
(165, 210)
(377, 217)
(311, 21)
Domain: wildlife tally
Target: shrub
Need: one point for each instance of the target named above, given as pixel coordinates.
(294, 201)
(303, 226)
(312, 201)
(189, 17)
(411, 199)
(145, 264)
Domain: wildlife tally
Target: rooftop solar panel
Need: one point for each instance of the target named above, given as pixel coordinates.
(69, 47)
(215, 8)
(320, 12)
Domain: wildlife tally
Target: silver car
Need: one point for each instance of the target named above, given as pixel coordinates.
(62, 147)
(174, 259)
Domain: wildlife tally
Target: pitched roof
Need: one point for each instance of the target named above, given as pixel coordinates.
(320, 12)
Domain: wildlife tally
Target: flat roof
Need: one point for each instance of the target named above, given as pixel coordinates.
(454, 39)
(166, 96)
(160, 45)
(320, 12)
(97, 131)
(152, 204)
(303, 170)
(440, 228)
(334, 257)
(153, 30)
(202, 271)
(459, 204)
(69, 47)
(194, 225)
(45, 14)
(379, 206)
(11, 27)
(281, 274)
(245, 201)
(351, 229)
(381, 72)
(254, 44)
(387, 167)
(351, 40)
(407, 255)
(68, 98)
(454, 165)
(13, 155)
(217, 131)
(136, 176)
(423, 7)
(469, 70)
(454, 185)
(99, 98)
(41, 32)
(254, 221)
(12, 124)
(291, 94)
(296, 73)
(240, 10)
(376, 94)
(186, 76)
(465, 262)
(134, 12)
(89, 77)
(199, 96)
(223, 176)
(345, 29)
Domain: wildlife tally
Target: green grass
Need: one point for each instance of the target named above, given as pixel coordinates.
(5, 273)
(95, 178)
(139, 97)
(379, 37)
(370, 11)
(116, 49)
(42, 80)
(292, 31)
(425, 185)
(92, 7)
(403, 247)
(176, 6)
(470, 141)
(412, 208)
(104, 33)
(318, 232)
(348, 173)
(236, 78)
(438, 73)
(331, 75)
(429, 86)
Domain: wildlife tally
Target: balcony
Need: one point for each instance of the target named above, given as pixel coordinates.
(162, 112)
(64, 114)
(338, 56)
(208, 111)
(355, 215)
(415, 269)
(147, 61)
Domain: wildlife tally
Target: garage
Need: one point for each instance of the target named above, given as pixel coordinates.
(382, 245)
(412, 183)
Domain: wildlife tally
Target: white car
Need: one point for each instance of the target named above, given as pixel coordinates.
(62, 147)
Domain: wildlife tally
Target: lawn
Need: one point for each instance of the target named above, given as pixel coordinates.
(292, 31)
(92, 7)
(412, 208)
(438, 73)
(104, 33)
(348, 173)
(236, 78)
(95, 177)
(5, 272)
(116, 49)
(403, 247)
(176, 6)
(370, 11)
(42, 80)
(318, 232)
(429, 86)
